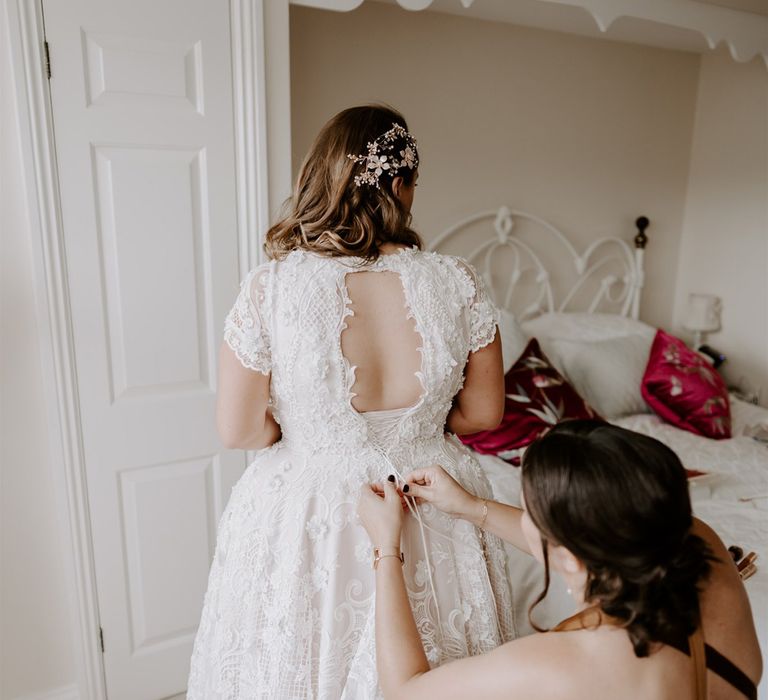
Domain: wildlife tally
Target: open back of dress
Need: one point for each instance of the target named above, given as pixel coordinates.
(381, 343)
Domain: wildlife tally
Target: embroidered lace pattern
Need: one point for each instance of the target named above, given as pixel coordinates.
(289, 609)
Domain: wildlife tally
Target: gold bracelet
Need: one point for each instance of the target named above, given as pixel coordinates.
(378, 555)
(485, 513)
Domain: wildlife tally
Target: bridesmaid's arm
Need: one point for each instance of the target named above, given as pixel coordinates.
(504, 522)
(514, 669)
(400, 655)
(436, 486)
(402, 665)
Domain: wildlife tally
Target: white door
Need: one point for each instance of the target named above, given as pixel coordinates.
(143, 120)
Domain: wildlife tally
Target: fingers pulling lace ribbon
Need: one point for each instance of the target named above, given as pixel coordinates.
(416, 512)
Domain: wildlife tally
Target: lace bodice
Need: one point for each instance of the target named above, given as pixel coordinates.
(288, 319)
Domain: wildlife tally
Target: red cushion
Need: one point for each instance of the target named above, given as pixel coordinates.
(537, 398)
(685, 390)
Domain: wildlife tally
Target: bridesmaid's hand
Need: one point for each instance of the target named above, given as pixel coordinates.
(436, 486)
(381, 512)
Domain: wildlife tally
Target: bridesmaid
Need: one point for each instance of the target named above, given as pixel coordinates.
(662, 612)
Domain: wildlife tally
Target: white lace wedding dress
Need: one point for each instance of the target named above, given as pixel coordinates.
(289, 610)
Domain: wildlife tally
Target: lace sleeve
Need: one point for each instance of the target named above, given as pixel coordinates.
(483, 313)
(246, 329)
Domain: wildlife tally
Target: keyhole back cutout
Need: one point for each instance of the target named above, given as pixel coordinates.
(381, 343)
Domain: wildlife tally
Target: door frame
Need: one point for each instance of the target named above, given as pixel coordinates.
(260, 55)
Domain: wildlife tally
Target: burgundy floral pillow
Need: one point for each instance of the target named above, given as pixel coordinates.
(537, 397)
(685, 390)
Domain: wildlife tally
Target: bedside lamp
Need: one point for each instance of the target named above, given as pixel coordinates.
(702, 315)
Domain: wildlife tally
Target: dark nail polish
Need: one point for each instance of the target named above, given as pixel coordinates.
(406, 488)
(391, 478)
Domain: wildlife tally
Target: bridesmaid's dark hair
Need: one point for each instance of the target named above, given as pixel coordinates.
(619, 502)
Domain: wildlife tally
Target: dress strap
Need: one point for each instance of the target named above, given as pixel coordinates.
(730, 673)
(698, 664)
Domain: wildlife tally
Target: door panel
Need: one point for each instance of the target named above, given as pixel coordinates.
(143, 119)
(159, 332)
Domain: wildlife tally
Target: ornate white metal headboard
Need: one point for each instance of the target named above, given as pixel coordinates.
(609, 271)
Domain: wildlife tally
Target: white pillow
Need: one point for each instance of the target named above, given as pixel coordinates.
(607, 373)
(513, 339)
(584, 326)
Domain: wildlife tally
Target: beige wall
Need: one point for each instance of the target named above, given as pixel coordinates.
(35, 624)
(586, 133)
(724, 249)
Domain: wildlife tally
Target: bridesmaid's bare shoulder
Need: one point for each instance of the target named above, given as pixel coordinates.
(536, 666)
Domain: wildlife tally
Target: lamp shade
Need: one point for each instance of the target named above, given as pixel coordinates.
(702, 313)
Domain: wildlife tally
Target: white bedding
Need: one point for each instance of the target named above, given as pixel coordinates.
(737, 468)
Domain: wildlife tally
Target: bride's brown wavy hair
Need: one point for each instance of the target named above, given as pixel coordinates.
(619, 501)
(328, 213)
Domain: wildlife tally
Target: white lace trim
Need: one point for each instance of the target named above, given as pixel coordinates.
(246, 328)
(484, 314)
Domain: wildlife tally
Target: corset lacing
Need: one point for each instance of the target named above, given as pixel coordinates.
(382, 431)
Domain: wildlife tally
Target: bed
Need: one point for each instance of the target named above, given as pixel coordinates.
(564, 297)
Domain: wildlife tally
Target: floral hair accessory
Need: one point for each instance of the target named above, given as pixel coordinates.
(391, 151)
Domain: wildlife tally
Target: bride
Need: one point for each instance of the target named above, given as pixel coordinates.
(349, 358)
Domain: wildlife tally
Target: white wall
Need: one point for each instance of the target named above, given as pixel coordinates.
(36, 650)
(724, 249)
(584, 132)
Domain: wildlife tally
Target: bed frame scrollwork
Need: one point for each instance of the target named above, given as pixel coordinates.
(606, 276)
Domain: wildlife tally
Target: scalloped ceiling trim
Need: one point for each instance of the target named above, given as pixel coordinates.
(336, 5)
(744, 33)
(420, 4)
